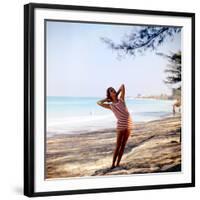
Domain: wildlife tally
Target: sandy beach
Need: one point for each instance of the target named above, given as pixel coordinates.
(153, 146)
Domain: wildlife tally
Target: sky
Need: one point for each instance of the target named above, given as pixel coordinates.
(78, 63)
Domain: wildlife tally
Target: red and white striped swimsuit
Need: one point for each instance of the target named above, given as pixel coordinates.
(120, 110)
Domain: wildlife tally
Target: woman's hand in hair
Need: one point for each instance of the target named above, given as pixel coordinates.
(108, 100)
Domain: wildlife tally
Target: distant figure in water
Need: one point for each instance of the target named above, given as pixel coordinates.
(177, 104)
(124, 121)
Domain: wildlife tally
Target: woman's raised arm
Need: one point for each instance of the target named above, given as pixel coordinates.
(121, 91)
(103, 104)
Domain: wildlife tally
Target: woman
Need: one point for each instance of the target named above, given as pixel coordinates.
(177, 104)
(124, 121)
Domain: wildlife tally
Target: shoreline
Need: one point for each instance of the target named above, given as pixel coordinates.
(100, 130)
(153, 146)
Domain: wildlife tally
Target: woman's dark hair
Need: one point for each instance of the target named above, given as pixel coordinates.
(108, 93)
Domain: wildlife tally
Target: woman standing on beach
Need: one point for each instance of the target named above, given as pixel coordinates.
(124, 121)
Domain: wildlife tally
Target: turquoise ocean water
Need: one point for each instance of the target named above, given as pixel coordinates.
(82, 114)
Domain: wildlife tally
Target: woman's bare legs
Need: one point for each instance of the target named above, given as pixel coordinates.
(118, 144)
(123, 144)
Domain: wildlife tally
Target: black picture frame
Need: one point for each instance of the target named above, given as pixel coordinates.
(29, 102)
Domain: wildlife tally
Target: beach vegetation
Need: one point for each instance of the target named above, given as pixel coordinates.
(142, 39)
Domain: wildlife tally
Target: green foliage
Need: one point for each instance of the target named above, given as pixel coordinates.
(143, 39)
(173, 69)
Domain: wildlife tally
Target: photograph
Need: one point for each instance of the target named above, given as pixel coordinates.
(108, 99)
(113, 99)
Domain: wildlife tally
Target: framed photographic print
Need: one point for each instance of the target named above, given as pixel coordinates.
(108, 99)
